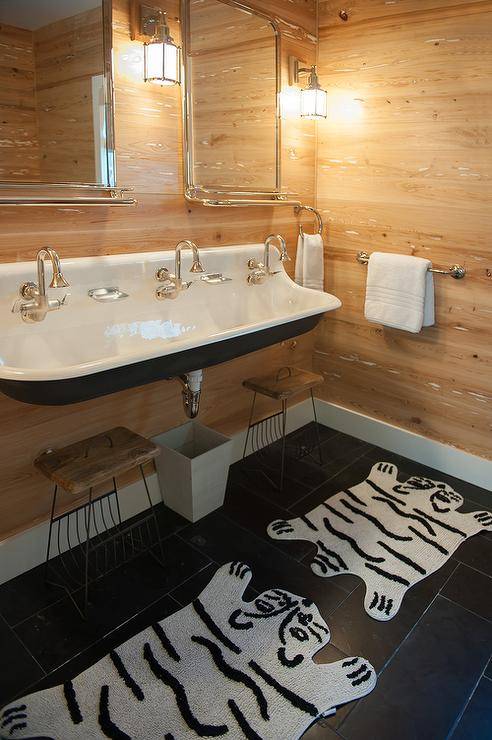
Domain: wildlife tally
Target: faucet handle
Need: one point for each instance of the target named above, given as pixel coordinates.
(162, 274)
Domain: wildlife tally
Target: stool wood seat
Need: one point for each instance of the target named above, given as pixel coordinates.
(286, 383)
(94, 460)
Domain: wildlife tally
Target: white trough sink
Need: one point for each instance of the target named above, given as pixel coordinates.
(89, 348)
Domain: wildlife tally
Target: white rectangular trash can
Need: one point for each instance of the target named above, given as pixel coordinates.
(193, 467)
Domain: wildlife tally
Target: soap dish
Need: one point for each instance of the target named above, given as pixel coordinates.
(215, 278)
(106, 295)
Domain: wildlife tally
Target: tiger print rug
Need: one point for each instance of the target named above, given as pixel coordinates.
(220, 667)
(390, 534)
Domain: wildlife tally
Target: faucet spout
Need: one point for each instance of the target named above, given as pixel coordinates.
(196, 265)
(284, 257)
(57, 281)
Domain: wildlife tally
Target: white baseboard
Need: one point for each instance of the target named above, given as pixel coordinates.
(28, 549)
(447, 459)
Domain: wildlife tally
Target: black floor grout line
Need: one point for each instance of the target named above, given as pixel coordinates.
(466, 565)
(470, 611)
(460, 716)
(11, 629)
(316, 488)
(204, 567)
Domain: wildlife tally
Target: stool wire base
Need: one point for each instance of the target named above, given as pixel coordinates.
(78, 552)
(272, 429)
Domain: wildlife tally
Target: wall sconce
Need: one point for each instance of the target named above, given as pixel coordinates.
(314, 100)
(162, 63)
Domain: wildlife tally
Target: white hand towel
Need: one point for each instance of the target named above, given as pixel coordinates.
(310, 261)
(399, 292)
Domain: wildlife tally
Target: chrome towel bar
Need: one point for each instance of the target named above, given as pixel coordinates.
(299, 209)
(456, 271)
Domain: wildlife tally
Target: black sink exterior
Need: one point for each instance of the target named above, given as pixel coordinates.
(85, 387)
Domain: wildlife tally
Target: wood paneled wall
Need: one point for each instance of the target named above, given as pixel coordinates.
(68, 53)
(19, 145)
(405, 165)
(148, 139)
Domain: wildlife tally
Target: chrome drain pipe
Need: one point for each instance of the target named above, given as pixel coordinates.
(192, 390)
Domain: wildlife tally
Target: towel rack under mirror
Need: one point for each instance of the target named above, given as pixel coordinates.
(113, 196)
(298, 209)
(456, 271)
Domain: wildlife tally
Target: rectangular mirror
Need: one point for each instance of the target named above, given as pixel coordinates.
(56, 123)
(232, 82)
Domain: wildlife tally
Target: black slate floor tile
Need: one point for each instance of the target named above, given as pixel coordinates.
(255, 514)
(57, 633)
(426, 685)
(471, 589)
(346, 478)
(18, 667)
(476, 722)
(154, 613)
(25, 595)
(320, 730)
(354, 632)
(253, 475)
(221, 540)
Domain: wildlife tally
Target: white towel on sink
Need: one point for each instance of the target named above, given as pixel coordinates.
(310, 261)
(399, 291)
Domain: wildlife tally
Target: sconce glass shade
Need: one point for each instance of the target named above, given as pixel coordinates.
(314, 100)
(162, 63)
(314, 103)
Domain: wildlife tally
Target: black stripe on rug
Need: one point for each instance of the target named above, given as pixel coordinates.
(243, 723)
(374, 521)
(202, 730)
(353, 544)
(386, 574)
(429, 541)
(125, 676)
(105, 722)
(72, 704)
(385, 493)
(404, 559)
(297, 701)
(405, 515)
(234, 674)
(166, 642)
(214, 629)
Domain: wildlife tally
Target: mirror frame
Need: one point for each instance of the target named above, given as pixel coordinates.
(73, 187)
(211, 197)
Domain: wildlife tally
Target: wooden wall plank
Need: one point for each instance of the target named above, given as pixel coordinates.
(405, 165)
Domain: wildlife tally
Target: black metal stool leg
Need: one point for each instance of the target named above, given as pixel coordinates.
(249, 426)
(152, 511)
(318, 439)
(87, 551)
(284, 440)
(48, 547)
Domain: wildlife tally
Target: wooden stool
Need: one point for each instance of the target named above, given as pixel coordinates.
(287, 383)
(78, 469)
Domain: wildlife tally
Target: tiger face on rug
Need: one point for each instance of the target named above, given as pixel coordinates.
(390, 534)
(219, 667)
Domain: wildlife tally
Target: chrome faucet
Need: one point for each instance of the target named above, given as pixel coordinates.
(173, 283)
(38, 304)
(261, 270)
